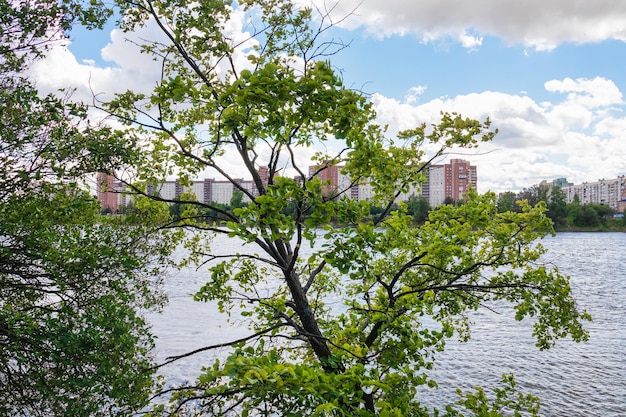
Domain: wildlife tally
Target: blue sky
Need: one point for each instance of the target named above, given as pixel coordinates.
(449, 69)
(550, 74)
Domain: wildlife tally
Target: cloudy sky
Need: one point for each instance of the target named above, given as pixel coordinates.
(550, 74)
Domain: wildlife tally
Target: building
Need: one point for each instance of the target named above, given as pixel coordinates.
(205, 191)
(112, 195)
(561, 183)
(607, 192)
(328, 175)
(107, 191)
(336, 181)
(451, 181)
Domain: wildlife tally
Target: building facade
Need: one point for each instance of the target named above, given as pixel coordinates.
(608, 192)
(107, 192)
(450, 181)
(112, 193)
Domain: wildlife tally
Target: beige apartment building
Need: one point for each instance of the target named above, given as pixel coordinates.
(451, 181)
(112, 193)
(610, 192)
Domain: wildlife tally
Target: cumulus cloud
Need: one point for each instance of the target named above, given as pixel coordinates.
(571, 137)
(537, 24)
(127, 68)
(576, 133)
(589, 93)
(414, 93)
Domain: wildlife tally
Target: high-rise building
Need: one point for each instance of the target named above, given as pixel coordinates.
(436, 185)
(443, 181)
(328, 175)
(107, 192)
(450, 181)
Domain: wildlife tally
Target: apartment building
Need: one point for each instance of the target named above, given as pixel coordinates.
(111, 193)
(608, 192)
(450, 181)
(337, 181)
(107, 188)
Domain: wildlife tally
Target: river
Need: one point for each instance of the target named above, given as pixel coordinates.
(572, 379)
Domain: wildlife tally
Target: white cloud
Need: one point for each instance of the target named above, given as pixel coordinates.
(129, 69)
(578, 134)
(572, 138)
(589, 93)
(470, 41)
(538, 24)
(414, 93)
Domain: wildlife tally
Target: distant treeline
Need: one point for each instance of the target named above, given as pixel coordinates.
(565, 216)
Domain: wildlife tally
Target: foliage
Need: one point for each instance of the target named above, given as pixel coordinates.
(73, 340)
(73, 285)
(557, 207)
(418, 207)
(564, 215)
(237, 200)
(29, 27)
(481, 405)
(406, 289)
(506, 202)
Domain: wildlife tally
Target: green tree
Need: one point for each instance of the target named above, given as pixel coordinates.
(574, 211)
(604, 211)
(418, 207)
(557, 207)
(406, 289)
(588, 217)
(236, 200)
(592, 215)
(534, 194)
(73, 284)
(507, 202)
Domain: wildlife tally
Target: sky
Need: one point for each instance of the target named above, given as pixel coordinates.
(550, 75)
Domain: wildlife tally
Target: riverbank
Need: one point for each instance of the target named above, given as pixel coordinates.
(610, 225)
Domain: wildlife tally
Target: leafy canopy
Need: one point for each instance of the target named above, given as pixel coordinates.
(73, 286)
(267, 97)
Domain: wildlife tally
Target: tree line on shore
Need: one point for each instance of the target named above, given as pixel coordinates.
(564, 216)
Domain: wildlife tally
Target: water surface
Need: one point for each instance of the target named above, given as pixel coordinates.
(572, 379)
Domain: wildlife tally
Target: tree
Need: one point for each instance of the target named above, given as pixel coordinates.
(574, 211)
(534, 194)
(73, 284)
(589, 217)
(593, 215)
(603, 210)
(418, 207)
(237, 199)
(506, 202)
(407, 289)
(557, 207)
